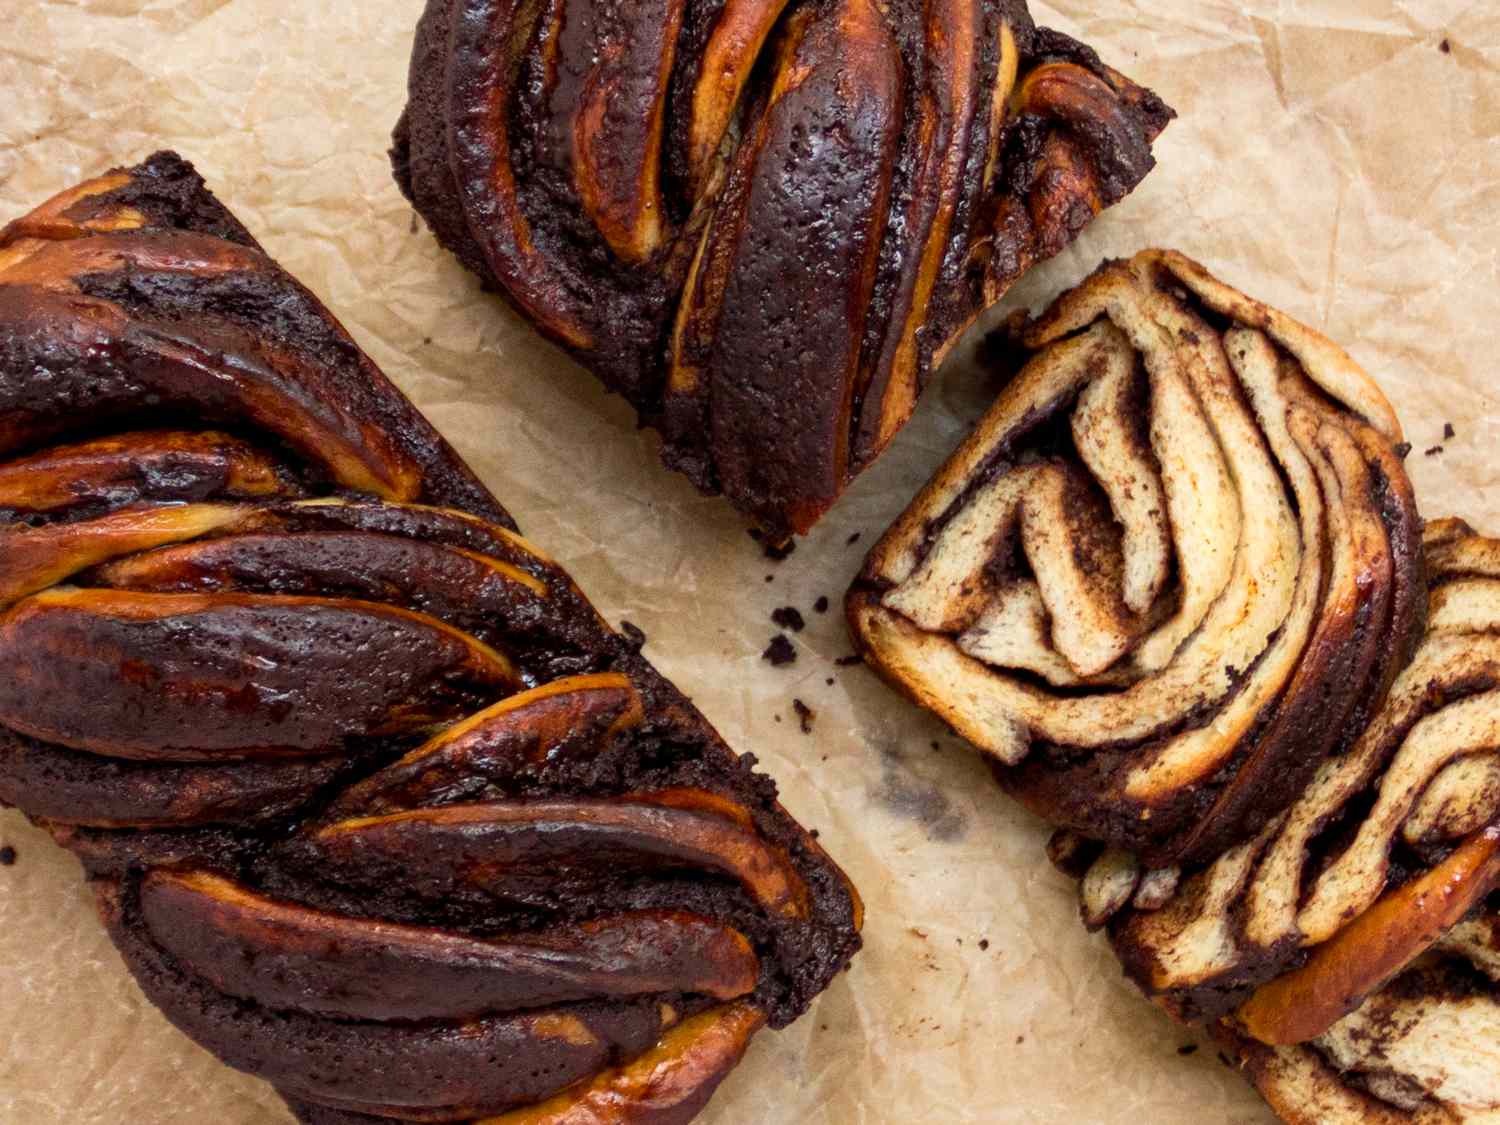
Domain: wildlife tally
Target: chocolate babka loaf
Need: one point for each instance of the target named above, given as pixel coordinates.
(1175, 585)
(763, 222)
(377, 807)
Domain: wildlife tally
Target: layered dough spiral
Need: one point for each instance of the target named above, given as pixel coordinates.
(762, 221)
(1174, 566)
(1351, 950)
(375, 805)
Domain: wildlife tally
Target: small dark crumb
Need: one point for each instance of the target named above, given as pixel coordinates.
(635, 636)
(1403, 448)
(1432, 451)
(805, 715)
(789, 617)
(984, 943)
(776, 552)
(853, 539)
(936, 745)
(7, 856)
(1446, 47)
(778, 716)
(1223, 1058)
(770, 578)
(821, 605)
(1020, 1039)
(757, 534)
(829, 681)
(426, 339)
(1187, 1049)
(1449, 433)
(850, 660)
(779, 651)
(813, 832)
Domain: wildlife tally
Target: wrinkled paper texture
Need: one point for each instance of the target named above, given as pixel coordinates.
(1338, 158)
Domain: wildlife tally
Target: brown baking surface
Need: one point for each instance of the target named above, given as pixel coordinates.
(1331, 158)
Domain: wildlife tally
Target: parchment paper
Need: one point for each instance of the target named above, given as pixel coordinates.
(1336, 157)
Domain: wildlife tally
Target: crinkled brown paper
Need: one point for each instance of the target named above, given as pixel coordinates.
(1339, 158)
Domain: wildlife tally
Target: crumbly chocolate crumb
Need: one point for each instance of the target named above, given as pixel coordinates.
(1446, 47)
(780, 651)
(821, 605)
(850, 660)
(1187, 1049)
(770, 578)
(829, 681)
(1403, 448)
(789, 617)
(7, 856)
(805, 715)
(984, 943)
(936, 745)
(853, 539)
(634, 635)
(778, 551)
(1432, 451)
(1449, 433)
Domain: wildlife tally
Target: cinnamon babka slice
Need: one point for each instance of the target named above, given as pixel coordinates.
(763, 222)
(1173, 570)
(376, 806)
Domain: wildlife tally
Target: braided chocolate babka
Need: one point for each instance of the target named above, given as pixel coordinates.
(1175, 584)
(377, 807)
(762, 221)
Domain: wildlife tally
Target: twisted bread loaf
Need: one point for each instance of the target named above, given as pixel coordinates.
(1175, 566)
(376, 806)
(762, 221)
(1176, 585)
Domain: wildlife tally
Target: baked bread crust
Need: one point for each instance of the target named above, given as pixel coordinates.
(376, 806)
(762, 221)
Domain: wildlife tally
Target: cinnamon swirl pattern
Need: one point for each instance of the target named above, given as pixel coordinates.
(375, 805)
(1174, 567)
(762, 221)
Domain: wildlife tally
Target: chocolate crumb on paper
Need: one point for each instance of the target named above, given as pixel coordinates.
(821, 605)
(1449, 433)
(805, 715)
(849, 661)
(789, 617)
(7, 856)
(780, 651)
(1433, 451)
